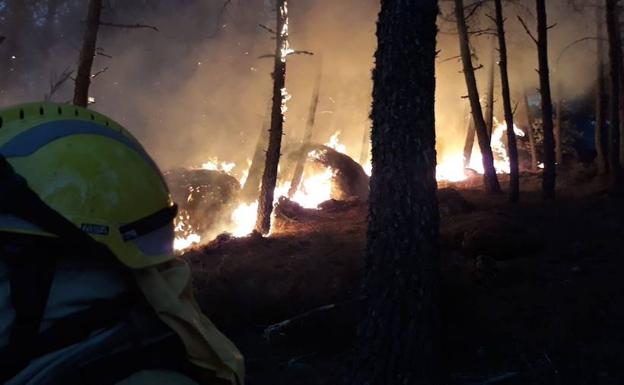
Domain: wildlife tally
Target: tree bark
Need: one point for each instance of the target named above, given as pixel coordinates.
(530, 132)
(365, 150)
(601, 98)
(514, 180)
(469, 143)
(490, 178)
(557, 128)
(87, 54)
(398, 338)
(269, 177)
(307, 137)
(489, 107)
(252, 184)
(615, 58)
(550, 168)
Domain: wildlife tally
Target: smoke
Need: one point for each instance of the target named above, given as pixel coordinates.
(198, 89)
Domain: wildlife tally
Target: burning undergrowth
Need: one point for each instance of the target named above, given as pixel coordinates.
(212, 201)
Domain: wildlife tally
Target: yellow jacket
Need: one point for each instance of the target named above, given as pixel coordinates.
(167, 288)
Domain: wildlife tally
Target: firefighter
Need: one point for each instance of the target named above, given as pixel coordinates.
(90, 289)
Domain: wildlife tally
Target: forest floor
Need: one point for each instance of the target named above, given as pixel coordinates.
(533, 293)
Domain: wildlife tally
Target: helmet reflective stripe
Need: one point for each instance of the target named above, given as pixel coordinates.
(13, 222)
(92, 172)
(28, 142)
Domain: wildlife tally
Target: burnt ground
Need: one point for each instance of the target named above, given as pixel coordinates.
(532, 292)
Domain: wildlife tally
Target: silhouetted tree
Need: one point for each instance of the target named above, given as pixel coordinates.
(550, 167)
(251, 187)
(489, 106)
(469, 142)
(490, 178)
(307, 137)
(514, 181)
(530, 131)
(87, 53)
(601, 97)
(397, 340)
(269, 177)
(615, 58)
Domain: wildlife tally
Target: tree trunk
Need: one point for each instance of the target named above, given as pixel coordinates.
(269, 177)
(87, 53)
(398, 338)
(469, 143)
(365, 150)
(307, 137)
(490, 178)
(530, 132)
(489, 107)
(615, 58)
(601, 98)
(550, 168)
(251, 188)
(514, 180)
(557, 128)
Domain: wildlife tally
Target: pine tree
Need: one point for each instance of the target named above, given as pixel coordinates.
(398, 338)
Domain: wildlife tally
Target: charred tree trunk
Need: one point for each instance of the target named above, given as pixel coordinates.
(489, 107)
(530, 132)
(469, 143)
(557, 128)
(550, 168)
(269, 177)
(490, 177)
(398, 338)
(514, 181)
(365, 151)
(601, 98)
(307, 137)
(252, 183)
(87, 53)
(615, 58)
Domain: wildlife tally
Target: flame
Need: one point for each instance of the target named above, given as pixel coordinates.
(285, 48)
(214, 165)
(244, 219)
(451, 167)
(183, 243)
(334, 142)
(315, 188)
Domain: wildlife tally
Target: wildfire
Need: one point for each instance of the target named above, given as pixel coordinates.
(314, 189)
(316, 186)
(451, 168)
(215, 165)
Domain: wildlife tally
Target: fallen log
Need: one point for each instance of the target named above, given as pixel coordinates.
(204, 197)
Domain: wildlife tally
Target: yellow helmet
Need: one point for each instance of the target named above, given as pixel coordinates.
(95, 174)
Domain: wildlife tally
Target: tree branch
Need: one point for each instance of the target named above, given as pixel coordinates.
(129, 26)
(526, 28)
